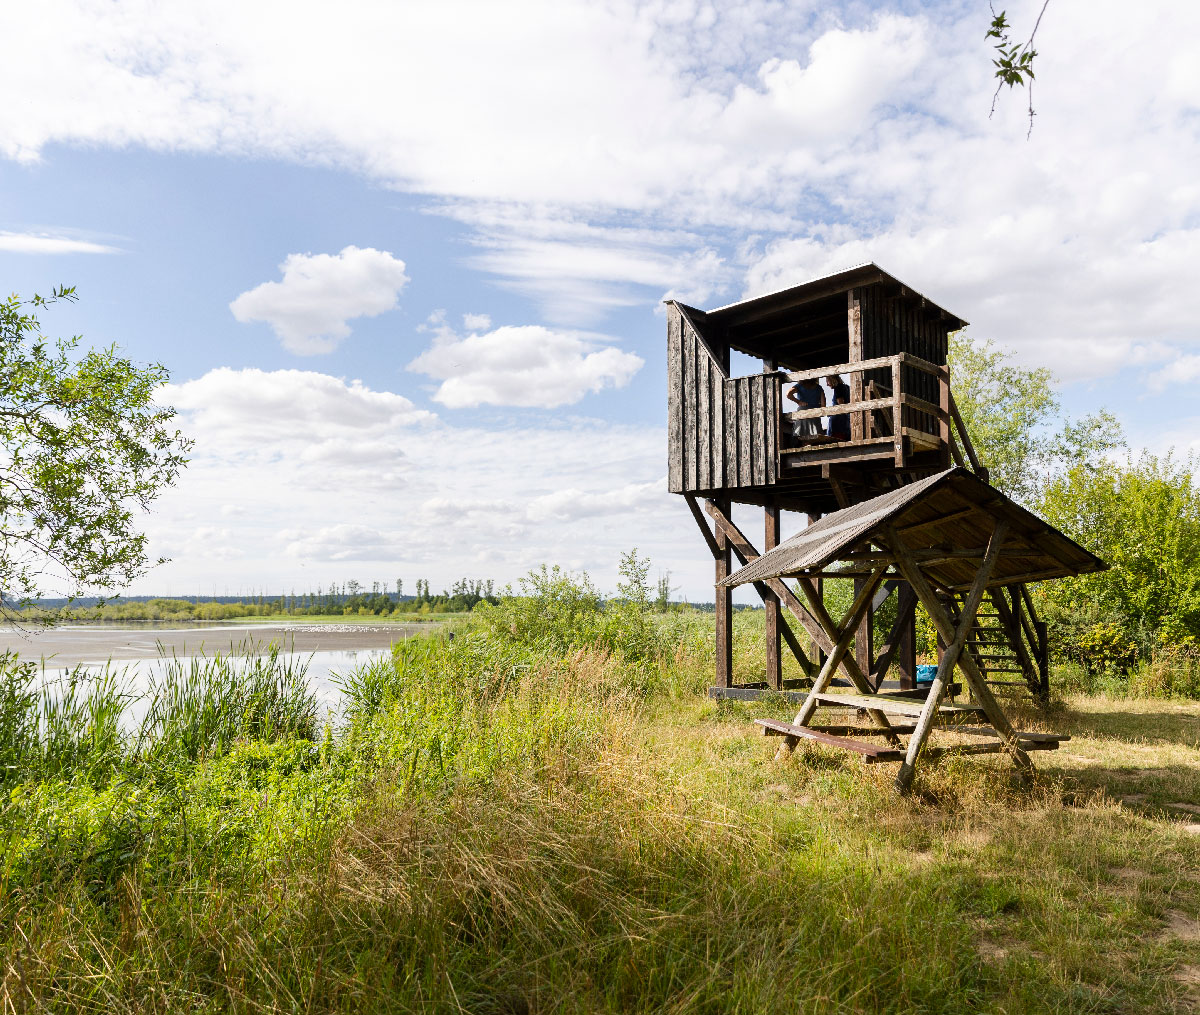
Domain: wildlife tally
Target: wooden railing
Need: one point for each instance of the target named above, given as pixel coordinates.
(891, 410)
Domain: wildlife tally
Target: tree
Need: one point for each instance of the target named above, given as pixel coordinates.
(1142, 517)
(83, 445)
(1016, 423)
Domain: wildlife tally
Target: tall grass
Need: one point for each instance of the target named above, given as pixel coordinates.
(58, 725)
(525, 821)
(202, 705)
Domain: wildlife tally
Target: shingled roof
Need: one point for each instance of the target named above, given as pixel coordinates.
(946, 520)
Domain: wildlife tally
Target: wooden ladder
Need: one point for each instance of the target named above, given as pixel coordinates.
(1008, 642)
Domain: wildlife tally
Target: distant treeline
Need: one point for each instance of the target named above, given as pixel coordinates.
(345, 600)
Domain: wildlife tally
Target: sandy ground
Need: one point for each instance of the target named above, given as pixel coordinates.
(79, 644)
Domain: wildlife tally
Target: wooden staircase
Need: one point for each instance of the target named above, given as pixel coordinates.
(1008, 642)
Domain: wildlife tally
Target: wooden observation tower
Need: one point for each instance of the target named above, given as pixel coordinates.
(730, 441)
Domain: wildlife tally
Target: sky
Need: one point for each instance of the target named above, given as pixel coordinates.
(405, 262)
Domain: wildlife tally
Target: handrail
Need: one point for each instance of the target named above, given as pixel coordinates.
(868, 403)
(966, 438)
(905, 358)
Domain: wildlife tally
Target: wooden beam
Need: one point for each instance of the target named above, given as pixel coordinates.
(1012, 627)
(746, 552)
(966, 439)
(863, 634)
(857, 366)
(854, 328)
(945, 628)
(913, 526)
(861, 604)
(954, 648)
(694, 507)
(745, 549)
(870, 752)
(771, 605)
(723, 607)
(905, 606)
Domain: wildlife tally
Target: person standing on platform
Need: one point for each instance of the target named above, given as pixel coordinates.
(808, 394)
(839, 426)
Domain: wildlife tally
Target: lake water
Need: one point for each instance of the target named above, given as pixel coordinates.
(329, 650)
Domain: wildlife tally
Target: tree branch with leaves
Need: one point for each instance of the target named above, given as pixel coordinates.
(83, 446)
(1013, 60)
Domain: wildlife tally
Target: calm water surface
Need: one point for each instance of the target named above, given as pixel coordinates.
(135, 650)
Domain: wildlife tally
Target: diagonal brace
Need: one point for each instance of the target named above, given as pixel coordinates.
(945, 628)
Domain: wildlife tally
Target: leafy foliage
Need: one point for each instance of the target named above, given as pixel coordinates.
(1015, 420)
(1013, 61)
(1142, 516)
(82, 445)
(561, 611)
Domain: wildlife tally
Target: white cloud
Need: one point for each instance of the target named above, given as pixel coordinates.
(1183, 370)
(635, 149)
(309, 309)
(527, 365)
(46, 243)
(360, 489)
(241, 408)
(476, 322)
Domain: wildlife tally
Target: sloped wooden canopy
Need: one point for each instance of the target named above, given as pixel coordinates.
(946, 521)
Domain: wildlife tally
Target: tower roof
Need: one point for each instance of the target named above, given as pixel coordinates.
(947, 519)
(816, 308)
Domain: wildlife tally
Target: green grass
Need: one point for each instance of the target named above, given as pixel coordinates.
(503, 825)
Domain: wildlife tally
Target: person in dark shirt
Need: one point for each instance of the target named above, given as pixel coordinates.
(839, 426)
(808, 394)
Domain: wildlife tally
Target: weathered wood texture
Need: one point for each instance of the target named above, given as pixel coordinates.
(893, 323)
(722, 432)
(772, 606)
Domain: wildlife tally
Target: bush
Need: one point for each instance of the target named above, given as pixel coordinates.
(1173, 671)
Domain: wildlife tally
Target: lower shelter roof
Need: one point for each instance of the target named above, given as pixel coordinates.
(945, 520)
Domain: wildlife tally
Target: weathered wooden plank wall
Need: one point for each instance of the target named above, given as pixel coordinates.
(722, 433)
(892, 325)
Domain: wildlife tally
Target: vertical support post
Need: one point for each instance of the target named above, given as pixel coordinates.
(817, 585)
(864, 632)
(1043, 658)
(944, 418)
(723, 604)
(897, 416)
(772, 605)
(855, 331)
(905, 659)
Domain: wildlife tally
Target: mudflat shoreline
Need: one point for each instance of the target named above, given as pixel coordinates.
(71, 644)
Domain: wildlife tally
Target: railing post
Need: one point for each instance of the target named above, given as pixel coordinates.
(897, 415)
(858, 420)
